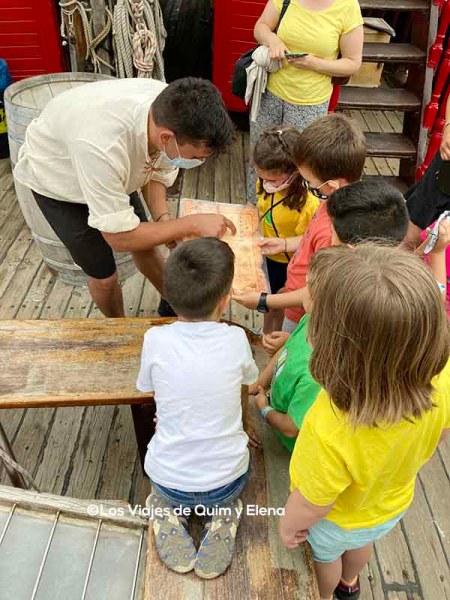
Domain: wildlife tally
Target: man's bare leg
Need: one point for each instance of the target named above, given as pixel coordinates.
(107, 295)
(151, 264)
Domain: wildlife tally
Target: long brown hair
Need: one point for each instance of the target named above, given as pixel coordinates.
(379, 332)
(274, 151)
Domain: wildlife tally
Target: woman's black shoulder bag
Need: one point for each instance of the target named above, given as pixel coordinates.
(239, 80)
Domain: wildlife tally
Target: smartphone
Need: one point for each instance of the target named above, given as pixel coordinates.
(295, 54)
(443, 178)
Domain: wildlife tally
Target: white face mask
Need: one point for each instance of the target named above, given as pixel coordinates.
(270, 188)
(182, 163)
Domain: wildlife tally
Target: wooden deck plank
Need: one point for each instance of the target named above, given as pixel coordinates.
(206, 180)
(425, 546)
(432, 477)
(395, 561)
(12, 225)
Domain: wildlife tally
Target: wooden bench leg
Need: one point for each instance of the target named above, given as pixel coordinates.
(16, 478)
(144, 427)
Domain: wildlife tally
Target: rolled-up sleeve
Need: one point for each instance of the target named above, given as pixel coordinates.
(101, 178)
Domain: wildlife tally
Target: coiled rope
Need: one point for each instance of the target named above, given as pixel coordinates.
(139, 38)
(68, 10)
(138, 32)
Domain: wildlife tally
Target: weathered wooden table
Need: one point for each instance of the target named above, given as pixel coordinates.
(82, 362)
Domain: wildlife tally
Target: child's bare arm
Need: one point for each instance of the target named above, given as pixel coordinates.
(278, 420)
(247, 423)
(274, 301)
(298, 517)
(270, 246)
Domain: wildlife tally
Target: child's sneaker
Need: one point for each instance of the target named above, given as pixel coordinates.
(347, 592)
(173, 543)
(217, 546)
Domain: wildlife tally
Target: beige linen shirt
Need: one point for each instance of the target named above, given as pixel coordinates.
(89, 145)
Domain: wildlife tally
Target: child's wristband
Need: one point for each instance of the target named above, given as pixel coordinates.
(265, 411)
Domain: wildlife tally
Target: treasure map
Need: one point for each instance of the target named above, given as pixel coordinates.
(249, 275)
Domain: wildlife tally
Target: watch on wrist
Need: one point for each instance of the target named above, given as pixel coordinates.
(265, 411)
(262, 303)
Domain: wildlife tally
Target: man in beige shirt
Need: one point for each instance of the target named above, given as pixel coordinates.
(95, 146)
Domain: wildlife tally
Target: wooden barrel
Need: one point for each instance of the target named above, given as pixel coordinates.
(24, 101)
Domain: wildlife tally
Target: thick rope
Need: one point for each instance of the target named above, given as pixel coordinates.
(5, 457)
(68, 10)
(139, 38)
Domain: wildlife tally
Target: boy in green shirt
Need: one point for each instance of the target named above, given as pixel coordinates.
(361, 211)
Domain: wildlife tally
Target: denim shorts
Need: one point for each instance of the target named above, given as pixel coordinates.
(329, 541)
(222, 495)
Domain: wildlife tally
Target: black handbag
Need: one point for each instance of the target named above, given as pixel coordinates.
(239, 80)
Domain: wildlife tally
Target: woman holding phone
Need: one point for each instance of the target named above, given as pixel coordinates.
(315, 41)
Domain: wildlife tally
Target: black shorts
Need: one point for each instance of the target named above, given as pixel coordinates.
(277, 272)
(87, 246)
(424, 200)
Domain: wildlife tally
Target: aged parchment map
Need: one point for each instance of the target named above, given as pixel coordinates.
(249, 275)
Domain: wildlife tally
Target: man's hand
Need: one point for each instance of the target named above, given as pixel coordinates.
(211, 225)
(445, 144)
(271, 246)
(249, 300)
(272, 342)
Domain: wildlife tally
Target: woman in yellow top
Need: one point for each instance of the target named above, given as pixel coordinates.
(329, 36)
(285, 207)
(380, 340)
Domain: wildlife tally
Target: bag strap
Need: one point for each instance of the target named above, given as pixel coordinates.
(283, 12)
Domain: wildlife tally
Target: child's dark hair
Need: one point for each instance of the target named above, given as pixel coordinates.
(198, 274)
(194, 110)
(332, 147)
(368, 210)
(274, 151)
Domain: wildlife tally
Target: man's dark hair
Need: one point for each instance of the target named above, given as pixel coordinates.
(368, 210)
(197, 275)
(333, 147)
(194, 110)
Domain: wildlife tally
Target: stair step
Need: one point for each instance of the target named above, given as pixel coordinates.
(393, 145)
(397, 53)
(397, 182)
(410, 5)
(378, 99)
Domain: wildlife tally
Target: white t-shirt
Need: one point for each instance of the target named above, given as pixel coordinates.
(90, 145)
(196, 370)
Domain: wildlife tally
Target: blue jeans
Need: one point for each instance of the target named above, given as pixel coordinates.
(222, 495)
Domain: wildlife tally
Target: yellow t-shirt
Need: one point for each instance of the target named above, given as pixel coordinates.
(283, 221)
(367, 472)
(316, 32)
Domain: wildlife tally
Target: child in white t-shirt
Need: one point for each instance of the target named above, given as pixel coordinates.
(198, 459)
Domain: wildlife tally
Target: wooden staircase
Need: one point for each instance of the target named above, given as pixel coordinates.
(408, 99)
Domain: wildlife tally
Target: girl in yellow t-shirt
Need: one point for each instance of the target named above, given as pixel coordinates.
(285, 207)
(315, 40)
(380, 340)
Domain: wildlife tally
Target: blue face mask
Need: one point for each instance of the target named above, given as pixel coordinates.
(183, 163)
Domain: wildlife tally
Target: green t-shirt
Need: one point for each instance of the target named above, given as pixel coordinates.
(293, 387)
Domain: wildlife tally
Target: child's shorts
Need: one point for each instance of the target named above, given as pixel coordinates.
(329, 541)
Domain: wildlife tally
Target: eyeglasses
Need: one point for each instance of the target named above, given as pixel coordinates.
(315, 191)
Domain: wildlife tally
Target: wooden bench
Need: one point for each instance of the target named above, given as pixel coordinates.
(96, 361)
